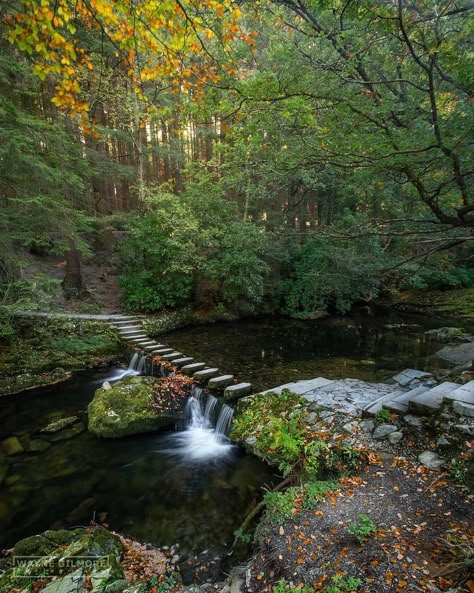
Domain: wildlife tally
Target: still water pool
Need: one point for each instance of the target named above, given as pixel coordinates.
(273, 351)
(145, 486)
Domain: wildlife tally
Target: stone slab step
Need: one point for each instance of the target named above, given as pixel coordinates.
(400, 403)
(181, 362)
(130, 327)
(301, 387)
(162, 351)
(220, 382)
(137, 339)
(375, 406)
(431, 400)
(464, 393)
(190, 369)
(132, 334)
(172, 356)
(408, 375)
(237, 391)
(143, 343)
(153, 347)
(394, 406)
(463, 408)
(204, 375)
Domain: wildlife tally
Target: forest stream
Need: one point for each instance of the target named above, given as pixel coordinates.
(153, 487)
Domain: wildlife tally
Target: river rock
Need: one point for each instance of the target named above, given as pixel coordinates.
(38, 445)
(351, 427)
(367, 426)
(462, 354)
(383, 430)
(413, 421)
(58, 425)
(12, 446)
(431, 460)
(466, 429)
(395, 437)
(65, 435)
(443, 441)
(127, 409)
(449, 334)
(101, 548)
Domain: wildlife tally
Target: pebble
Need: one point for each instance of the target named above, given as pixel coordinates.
(465, 429)
(431, 460)
(351, 427)
(310, 418)
(383, 430)
(412, 420)
(367, 426)
(443, 441)
(395, 437)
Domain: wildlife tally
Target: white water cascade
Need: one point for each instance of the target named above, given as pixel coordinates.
(206, 429)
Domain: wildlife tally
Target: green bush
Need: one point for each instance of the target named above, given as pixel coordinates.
(187, 244)
(333, 272)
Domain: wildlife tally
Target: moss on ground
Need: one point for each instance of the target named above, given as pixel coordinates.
(448, 303)
(277, 429)
(167, 321)
(45, 351)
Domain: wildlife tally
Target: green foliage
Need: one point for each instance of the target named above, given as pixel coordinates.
(328, 272)
(344, 584)
(185, 243)
(282, 439)
(363, 529)
(284, 587)
(72, 345)
(383, 416)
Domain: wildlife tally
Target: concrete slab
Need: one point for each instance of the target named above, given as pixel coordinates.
(463, 408)
(301, 387)
(172, 356)
(236, 391)
(190, 369)
(464, 393)
(462, 354)
(408, 375)
(221, 382)
(431, 400)
(181, 362)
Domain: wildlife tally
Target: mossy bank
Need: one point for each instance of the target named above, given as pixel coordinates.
(45, 351)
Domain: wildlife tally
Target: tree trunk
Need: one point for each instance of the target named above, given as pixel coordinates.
(73, 285)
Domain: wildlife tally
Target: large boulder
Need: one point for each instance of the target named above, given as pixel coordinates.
(129, 407)
(65, 559)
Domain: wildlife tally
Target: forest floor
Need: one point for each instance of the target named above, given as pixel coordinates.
(422, 539)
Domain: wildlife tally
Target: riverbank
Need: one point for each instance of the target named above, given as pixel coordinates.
(442, 303)
(46, 351)
(365, 512)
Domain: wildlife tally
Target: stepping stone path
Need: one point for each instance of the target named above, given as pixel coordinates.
(412, 392)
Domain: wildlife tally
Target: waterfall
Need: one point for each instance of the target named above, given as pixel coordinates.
(199, 440)
(141, 366)
(224, 421)
(132, 366)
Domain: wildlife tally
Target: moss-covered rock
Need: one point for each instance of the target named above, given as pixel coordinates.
(64, 558)
(127, 409)
(12, 446)
(449, 334)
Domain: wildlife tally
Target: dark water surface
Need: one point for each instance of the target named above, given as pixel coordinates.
(132, 484)
(273, 351)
